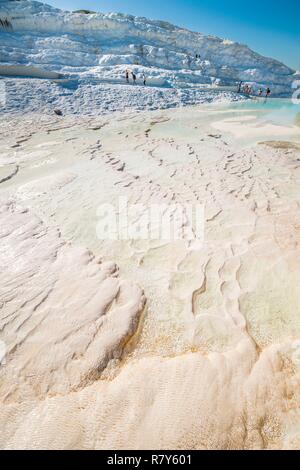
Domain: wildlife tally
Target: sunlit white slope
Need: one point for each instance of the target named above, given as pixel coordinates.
(102, 45)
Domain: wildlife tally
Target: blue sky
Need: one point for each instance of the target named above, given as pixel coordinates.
(270, 28)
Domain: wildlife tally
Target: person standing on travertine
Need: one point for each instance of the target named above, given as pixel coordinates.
(133, 77)
(127, 76)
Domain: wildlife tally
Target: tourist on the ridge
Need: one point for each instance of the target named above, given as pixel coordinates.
(133, 77)
(127, 76)
(5, 23)
(144, 79)
(260, 92)
(240, 87)
(268, 92)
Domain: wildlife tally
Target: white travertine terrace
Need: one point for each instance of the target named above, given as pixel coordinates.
(101, 46)
(212, 362)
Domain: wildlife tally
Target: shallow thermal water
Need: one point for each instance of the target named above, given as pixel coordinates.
(221, 322)
(153, 146)
(258, 120)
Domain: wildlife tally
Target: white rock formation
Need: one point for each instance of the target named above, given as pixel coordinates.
(215, 362)
(102, 46)
(64, 314)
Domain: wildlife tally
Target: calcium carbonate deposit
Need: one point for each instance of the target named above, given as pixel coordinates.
(140, 342)
(91, 53)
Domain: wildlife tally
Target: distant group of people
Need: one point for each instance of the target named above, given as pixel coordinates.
(268, 92)
(129, 74)
(248, 90)
(5, 23)
(134, 77)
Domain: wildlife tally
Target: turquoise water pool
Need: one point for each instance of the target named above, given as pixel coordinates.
(276, 110)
